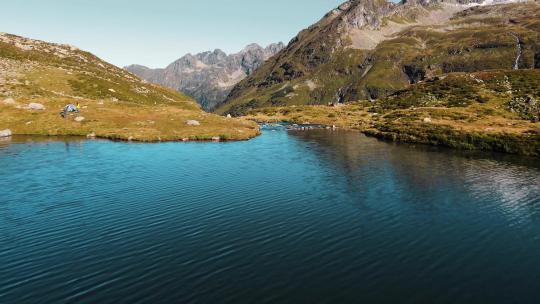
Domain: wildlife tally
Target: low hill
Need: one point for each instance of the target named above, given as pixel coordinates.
(37, 79)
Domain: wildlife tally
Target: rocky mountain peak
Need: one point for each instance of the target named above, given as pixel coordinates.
(274, 48)
(209, 76)
(365, 49)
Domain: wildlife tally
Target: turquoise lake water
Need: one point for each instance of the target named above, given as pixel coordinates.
(292, 216)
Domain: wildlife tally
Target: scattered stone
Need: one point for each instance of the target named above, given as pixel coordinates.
(114, 99)
(526, 107)
(216, 138)
(79, 119)
(5, 133)
(193, 123)
(28, 123)
(229, 116)
(100, 102)
(185, 139)
(36, 106)
(112, 90)
(427, 120)
(130, 138)
(91, 135)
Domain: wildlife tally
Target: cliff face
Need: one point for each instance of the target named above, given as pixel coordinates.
(208, 77)
(368, 49)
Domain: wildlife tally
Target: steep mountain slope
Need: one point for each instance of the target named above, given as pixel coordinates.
(37, 79)
(368, 49)
(209, 77)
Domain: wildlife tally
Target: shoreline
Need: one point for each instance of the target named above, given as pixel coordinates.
(426, 132)
(114, 138)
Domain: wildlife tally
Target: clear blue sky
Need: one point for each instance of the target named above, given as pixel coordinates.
(156, 32)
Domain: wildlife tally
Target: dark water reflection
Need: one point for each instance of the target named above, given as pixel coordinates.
(299, 217)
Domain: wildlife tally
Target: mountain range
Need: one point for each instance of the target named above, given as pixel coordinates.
(208, 77)
(370, 49)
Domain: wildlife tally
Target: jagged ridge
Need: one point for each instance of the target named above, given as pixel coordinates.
(208, 77)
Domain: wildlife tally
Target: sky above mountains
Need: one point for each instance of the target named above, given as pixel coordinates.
(155, 33)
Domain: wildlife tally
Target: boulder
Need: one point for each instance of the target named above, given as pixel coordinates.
(229, 116)
(427, 120)
(36, 106)
(216, 138)
(193, 123)
(9, 101)
(91, 135)
(79, 119)
(5, 133)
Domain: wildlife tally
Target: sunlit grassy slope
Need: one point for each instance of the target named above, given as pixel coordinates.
(114, 103)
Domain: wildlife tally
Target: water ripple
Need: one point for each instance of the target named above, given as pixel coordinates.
(317, 217)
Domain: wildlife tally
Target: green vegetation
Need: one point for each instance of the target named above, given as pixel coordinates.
(465, 111)
(114, 103)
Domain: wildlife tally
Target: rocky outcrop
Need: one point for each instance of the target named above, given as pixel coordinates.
(208, 77)
(526, 107)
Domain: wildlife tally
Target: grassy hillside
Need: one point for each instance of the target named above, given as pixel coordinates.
(321, 66)
(114, 103)
(496, 110)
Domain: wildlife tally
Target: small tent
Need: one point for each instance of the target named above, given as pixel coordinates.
(70, 108)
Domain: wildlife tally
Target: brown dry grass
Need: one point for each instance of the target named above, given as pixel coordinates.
(122, 120)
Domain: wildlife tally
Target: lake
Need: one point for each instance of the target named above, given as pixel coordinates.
(315, 216)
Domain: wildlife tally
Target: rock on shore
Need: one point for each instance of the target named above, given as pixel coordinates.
(5, 133)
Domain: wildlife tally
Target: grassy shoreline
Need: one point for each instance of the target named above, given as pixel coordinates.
(419, 125)
(124, 121)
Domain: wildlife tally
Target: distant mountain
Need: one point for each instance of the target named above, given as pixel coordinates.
(370, 49)
(208, 77)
